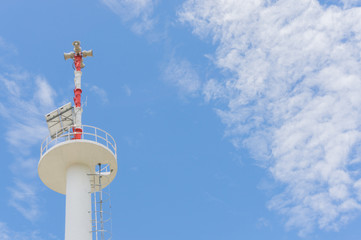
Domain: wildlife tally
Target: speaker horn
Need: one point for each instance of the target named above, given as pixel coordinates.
(77, 47)
(87, 53)
(68, 55)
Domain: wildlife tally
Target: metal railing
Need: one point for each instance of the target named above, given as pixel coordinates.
(89, 133)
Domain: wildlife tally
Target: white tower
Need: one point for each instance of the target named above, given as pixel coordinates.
(73, 154)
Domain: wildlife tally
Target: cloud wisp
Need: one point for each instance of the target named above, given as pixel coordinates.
(8, 234)
(6, 47)
(138, 12)
(102, 94)
(294, 99)
(181, 74)
(24, 129)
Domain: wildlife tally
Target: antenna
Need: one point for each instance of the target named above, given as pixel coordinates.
(77, 56)
(78, 160)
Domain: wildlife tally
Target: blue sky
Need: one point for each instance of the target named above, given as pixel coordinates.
(233, 119)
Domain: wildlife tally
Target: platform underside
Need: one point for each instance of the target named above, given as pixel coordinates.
(54, 163)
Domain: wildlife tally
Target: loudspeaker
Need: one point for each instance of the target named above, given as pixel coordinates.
(87, 53)
(77, 47)
(68, 55)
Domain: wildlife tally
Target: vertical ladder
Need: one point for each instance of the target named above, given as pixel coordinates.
(101, 220)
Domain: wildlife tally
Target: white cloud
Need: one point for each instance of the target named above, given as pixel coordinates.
(8, 234)
(102, 94)
(4, 232)
(24, 112)
(44, 94)
(7, 47)
(139, 12)
(351, 3)
(294, 98)
(263, 223)
(181, 74)
(127, 90)
(24, 199)
(25, 166)
(213, 90)
(23, 102)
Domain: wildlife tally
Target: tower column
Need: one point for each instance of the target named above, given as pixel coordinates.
(78, 203)
(77, 102)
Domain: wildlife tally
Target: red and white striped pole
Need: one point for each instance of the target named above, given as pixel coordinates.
(78, 59)
(77, 56)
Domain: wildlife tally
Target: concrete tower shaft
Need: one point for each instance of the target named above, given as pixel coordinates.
(78, 203)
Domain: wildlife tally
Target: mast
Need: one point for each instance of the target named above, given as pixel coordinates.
(69, 159)
(78, 56)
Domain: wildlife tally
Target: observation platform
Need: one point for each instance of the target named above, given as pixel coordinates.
(61, 151)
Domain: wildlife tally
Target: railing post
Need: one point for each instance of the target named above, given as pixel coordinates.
(47, 143)
(95, 132)
(68, 135)
(106, 137)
